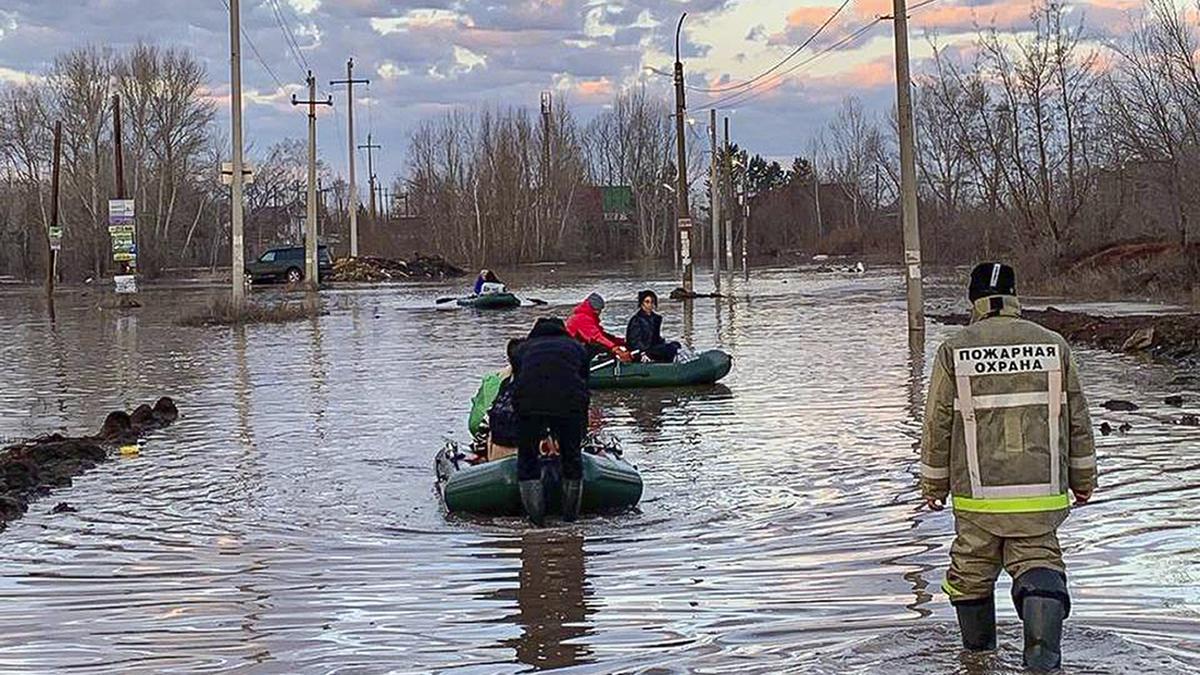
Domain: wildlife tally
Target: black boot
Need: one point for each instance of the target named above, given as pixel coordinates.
(1043, 619)
(533, 498)
(1041, 599)
(572, 497)
(977, 622)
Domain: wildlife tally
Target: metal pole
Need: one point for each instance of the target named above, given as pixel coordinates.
(745, 226)
(683, 219)
(908, 172)
(714, 203)
(350, 82)
(237, 259)
(817, 199)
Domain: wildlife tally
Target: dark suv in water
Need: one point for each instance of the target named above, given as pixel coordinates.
(287, 265)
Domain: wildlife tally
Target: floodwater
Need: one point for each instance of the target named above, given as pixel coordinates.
(288, 522)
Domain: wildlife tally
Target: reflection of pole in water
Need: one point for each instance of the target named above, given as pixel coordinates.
(916, 376)
(241, 389)
(689, 321)
(552, 600)
(318, 384)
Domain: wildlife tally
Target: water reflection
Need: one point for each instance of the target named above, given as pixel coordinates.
(290, 515)
(553, 596)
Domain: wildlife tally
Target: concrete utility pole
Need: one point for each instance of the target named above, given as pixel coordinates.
(350, 82)
(817, 199)
(311, 279)
(683, 218)
(371, 171)
(908, 172)
(727, 193)
(714, 202)
(235, 108)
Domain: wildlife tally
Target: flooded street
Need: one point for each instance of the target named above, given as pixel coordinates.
(288, 521)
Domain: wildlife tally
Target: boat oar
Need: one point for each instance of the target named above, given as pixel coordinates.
(537, 301)
(612, 361)
(442, 301)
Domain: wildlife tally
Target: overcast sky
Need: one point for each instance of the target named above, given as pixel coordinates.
(425, 57)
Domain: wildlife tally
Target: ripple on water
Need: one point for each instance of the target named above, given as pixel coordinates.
(288, 523)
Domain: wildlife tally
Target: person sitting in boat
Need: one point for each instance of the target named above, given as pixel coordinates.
(550, 391)
(584, 325)
(492, 412)
(644, 332)
(487, 282)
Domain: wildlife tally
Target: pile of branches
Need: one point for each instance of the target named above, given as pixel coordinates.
(374, 269)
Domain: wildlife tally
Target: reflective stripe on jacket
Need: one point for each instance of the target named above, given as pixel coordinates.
(1007, 430)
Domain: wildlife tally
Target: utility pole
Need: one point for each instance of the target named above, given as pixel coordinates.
(745, 223)
(547, 106)
(310, 225)
(350, 82)
(119, 162)
(54, 235)
(817, 199)
(683, 220)
(727, 192)
(371, 171)
(908, 172)
(714, 203)
(235, 107)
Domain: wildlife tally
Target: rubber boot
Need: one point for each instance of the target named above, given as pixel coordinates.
(1041, 599)
(571, 500)
(977, 623)
(1043, 618)
(533, 498)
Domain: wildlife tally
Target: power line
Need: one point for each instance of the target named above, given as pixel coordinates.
(744, 96)
(777, 66)
(254, 50)
(288, 37)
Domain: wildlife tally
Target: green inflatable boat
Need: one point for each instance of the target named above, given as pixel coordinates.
(706, 368)
(609, 484)
(490, 301)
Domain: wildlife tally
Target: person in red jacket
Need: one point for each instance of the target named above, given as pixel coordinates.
(584, 325)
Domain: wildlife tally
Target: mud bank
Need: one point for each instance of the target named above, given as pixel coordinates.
(32, 468)
(1174, 338)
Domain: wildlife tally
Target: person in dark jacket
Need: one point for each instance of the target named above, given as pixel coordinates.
(644, 332)
(550, 393)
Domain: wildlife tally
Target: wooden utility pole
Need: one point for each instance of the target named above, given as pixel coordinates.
(683, 220)
(350, 82)
(236, 178)
(714, 201)
(54, 235)
(727, 193)
(371, 171)
(908, 172)
(311, 279)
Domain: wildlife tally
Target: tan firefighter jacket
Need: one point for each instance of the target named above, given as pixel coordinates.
(1006, 424)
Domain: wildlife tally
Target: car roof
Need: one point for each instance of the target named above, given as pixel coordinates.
(291, 248)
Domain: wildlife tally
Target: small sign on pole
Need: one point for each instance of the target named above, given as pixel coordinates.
(55, 238)
(126, 283)
(685, 240)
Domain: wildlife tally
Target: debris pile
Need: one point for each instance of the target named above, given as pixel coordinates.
(30, 469)
(374, 269)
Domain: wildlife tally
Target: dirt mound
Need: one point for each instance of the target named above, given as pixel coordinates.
(31, 469)
(373, 269)
(1173, 337)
